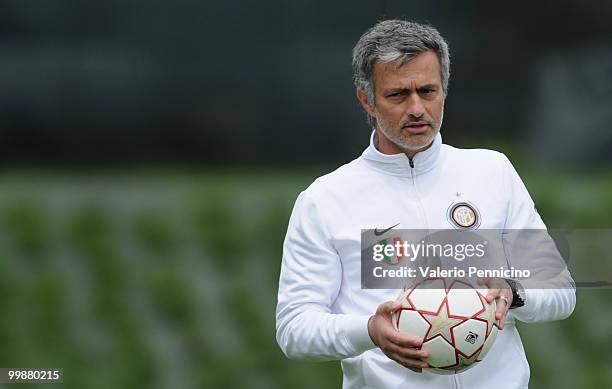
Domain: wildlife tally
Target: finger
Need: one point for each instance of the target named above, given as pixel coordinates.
(405, 352)
(386, 308)
(414, 369)
(501, 320)
(492, 294)
(501, 312)
(403, 340)
(415, 354)
(501, 307)
(408, 362)
(396, 305)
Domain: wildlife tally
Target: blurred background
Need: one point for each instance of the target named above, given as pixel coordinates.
(151, 153)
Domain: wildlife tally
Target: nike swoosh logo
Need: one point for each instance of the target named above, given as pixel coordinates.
(379, 233)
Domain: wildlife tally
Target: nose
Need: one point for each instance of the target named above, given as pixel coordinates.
(414, 105)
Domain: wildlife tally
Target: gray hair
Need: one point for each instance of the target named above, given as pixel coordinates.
(392, 40)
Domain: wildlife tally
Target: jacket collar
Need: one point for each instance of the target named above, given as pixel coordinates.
(399, 164)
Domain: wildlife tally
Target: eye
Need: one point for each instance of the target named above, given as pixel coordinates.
(428, 92)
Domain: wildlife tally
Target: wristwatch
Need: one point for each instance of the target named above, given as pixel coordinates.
(518, 293)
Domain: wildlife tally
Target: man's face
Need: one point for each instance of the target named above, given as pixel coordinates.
(409, 103)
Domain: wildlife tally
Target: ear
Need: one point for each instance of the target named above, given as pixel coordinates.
(363, 99)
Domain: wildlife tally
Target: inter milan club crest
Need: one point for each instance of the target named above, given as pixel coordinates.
(463, 215)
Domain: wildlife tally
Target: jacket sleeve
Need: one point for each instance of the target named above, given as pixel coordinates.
(550, 291)
(310, 278)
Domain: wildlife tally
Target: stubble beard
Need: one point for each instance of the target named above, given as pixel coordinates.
(404, 143)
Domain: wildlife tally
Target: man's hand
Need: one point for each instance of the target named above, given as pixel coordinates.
(500, 291)
(401, 348)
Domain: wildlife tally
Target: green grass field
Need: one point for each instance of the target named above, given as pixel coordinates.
(168, 280)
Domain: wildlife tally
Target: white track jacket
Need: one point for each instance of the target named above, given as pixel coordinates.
(322, 312)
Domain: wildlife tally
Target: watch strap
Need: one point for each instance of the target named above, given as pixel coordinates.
(518, 294)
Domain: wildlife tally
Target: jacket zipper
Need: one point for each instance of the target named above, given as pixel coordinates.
(454, 379)
(418, 198)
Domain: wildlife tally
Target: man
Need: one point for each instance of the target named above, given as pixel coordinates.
(405, 178)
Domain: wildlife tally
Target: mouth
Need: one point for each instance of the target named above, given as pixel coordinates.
(416, 127)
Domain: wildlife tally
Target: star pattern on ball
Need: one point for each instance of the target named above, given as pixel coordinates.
(463, 361)
(441, 323)
(405, 302)
(488, 315)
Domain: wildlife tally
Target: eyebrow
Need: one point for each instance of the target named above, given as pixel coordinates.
(398, 90)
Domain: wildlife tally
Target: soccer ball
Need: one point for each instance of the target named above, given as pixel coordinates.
(453, 320)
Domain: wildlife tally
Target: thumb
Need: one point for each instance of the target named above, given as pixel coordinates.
(396, 305)
(389, 307)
